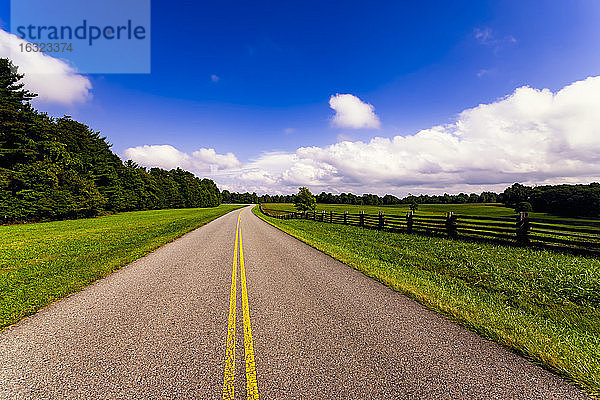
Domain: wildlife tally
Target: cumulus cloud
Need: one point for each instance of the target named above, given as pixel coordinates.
(52, 79)
(202, 161)
(351, 112)
(219, 161)
(163, 155)
(531, 136)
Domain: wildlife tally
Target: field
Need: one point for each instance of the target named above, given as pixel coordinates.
(541, 303)
(487, 209)
(478, 209)
(43, 262)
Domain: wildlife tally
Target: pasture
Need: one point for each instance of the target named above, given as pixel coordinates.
(43, 262)
(472, 209)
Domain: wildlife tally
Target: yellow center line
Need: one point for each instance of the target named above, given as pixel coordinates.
(229, 379)
(251, 383)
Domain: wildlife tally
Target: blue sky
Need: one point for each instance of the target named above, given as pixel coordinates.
(253, 78)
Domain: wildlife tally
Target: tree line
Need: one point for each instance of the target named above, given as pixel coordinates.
(564, 200)
(365, 199)
(56, 168)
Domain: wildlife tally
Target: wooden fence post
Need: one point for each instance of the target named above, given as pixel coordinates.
(345, 217)
(381, 220)
(362, 219)
(323, 216)
(331, 217)
(523, 228)
(409, 222)
(451, 225)
(315, 215)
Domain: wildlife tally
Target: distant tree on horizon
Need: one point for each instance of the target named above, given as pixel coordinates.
(414, 206)
(305, 201)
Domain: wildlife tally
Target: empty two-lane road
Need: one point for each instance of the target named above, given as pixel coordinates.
(237, 309)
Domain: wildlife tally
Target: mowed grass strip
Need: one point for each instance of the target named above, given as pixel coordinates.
(43, 262)
(541, 303)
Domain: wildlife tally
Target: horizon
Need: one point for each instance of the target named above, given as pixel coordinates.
(380, 99)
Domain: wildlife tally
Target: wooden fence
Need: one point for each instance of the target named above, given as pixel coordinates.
(563, 233)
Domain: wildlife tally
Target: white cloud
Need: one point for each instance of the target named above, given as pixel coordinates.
(351, 112)
(52, 79)
(483, 72)
(163, 155)
(219, 161)
(483, 35)
(488, 37)
(202, 161)
(530, 136)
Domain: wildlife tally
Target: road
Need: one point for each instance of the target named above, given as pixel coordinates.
(296, 324)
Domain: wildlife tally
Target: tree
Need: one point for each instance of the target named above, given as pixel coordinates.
(56, 168)
(414, 206)
(515, 194)
(523, 206)
(305, 201)
(16, 118)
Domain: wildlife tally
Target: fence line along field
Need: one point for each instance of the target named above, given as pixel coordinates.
(43, 262)
(542, 303)
(484, 209)
(474, 209)
(524, 228)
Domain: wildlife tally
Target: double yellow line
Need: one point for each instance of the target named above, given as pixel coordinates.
(229, 379)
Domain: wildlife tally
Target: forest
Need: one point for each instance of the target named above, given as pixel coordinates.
(365, 199)
(58, 168)
(565, 200)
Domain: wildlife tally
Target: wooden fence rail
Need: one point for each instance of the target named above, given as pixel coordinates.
(562, 233)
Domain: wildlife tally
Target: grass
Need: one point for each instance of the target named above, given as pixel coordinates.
(542, 304)
(479, 209)
(43, 262)
(484, 209)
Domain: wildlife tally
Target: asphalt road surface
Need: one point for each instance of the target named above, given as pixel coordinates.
(291, 323)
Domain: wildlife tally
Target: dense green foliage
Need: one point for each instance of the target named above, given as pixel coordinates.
(566, 200)
(543, 304)
(56, 168)
(388, 199)
(305, 201)
(40, 263)
(365, 199)
(241, 198)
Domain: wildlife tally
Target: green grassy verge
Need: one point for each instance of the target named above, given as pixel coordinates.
(479, 209)
(43, 262)
(543, 304)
